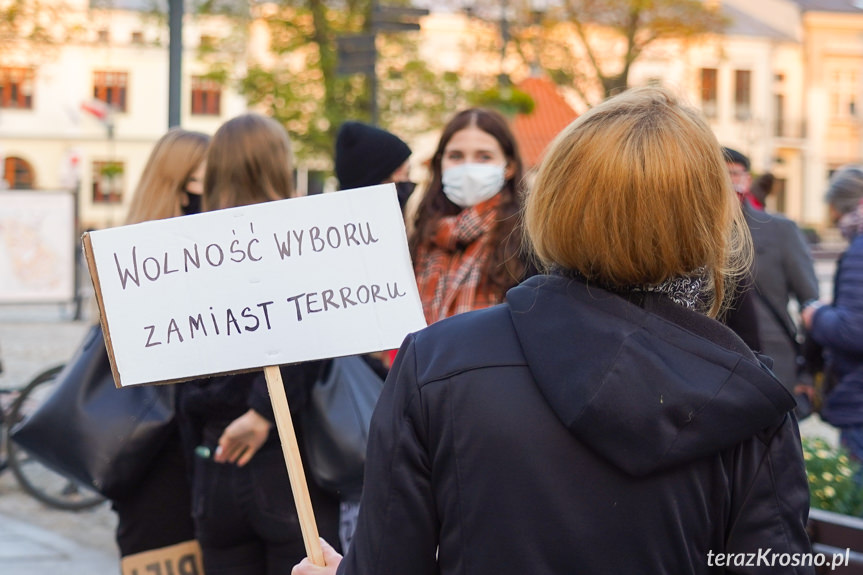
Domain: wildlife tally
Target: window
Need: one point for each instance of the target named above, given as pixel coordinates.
(207, 42)
(18, 174)
(16, 88)
(110, 87)
(108, 182)
(206, 96)
(843, 93)
(742, 95)
(708, 92)
(102, 35)
(137, 38)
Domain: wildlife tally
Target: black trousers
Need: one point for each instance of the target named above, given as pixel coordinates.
(245, 517)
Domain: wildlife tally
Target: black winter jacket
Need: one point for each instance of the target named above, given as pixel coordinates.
(571, 431)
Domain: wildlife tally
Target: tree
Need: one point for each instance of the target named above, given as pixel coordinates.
(34, 26)
(591, 45)
(296, 79)
(639, 23)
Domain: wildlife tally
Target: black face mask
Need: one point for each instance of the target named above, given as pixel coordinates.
(194, 205)
(404, 191)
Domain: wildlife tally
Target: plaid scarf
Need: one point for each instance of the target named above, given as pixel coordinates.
(449, 267)
(851, 224)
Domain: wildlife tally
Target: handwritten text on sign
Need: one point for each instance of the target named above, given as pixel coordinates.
(267, 284)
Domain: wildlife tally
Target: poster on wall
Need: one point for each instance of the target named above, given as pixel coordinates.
(37, 246)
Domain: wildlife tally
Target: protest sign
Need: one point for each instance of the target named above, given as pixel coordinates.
(247, 287)
(180, 559)
(255, 287)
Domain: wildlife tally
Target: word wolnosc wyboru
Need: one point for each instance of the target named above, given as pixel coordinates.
(135, 268)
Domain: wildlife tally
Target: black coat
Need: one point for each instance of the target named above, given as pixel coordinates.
(783, 270)
(570, 431)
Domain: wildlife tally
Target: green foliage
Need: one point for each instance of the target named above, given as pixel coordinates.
(412, 97)
(831, 483)
(224, 7)
(299, 86)
(40, 23)
(112, 169)
(508, 100)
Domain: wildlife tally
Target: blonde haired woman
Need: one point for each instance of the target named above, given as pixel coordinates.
(173, 178)
(157, 512)
(600, 421)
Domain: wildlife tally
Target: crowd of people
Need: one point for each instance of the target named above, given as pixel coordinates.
(607, 382)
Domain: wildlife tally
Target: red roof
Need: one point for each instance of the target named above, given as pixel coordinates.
(550, 115)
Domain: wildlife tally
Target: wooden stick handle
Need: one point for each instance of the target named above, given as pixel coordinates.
(291, 450)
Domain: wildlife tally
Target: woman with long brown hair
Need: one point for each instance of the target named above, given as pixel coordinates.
(466, 239)
(245, 517)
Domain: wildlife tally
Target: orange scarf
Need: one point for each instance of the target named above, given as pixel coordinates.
(449, 268)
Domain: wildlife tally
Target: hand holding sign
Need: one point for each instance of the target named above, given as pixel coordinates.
(256, 286)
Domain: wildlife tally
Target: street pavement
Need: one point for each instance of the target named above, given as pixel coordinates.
(29, 546)
(37, 540)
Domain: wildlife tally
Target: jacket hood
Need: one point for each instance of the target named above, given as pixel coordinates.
(646, 387)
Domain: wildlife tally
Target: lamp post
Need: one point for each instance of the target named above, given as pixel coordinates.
(175, 60)
(502, 78)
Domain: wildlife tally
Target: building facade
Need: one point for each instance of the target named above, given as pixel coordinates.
(782, 84)
(85, 114)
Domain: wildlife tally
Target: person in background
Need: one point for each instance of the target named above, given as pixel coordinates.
(741, 178)
(760, 189)
(465, 243)
(368, 156)
(783, 270)
(245, 517)
(157, 513)
(173, 178)
(838, 327)
(601, 420)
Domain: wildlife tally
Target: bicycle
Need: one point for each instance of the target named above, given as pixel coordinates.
(52, 488)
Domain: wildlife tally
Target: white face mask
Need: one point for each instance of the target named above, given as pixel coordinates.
(467, 185)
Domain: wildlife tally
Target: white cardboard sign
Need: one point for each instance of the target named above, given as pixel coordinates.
(243, 288)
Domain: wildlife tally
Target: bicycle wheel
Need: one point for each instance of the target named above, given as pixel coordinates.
(46, 485)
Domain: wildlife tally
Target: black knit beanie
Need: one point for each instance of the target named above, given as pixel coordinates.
(366, 156)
